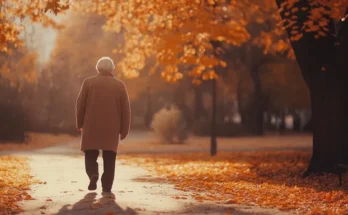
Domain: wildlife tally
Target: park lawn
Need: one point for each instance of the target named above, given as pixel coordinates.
(15, 180)
(267, 179)
(38, 140)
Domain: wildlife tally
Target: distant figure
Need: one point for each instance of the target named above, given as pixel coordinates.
(103, 118)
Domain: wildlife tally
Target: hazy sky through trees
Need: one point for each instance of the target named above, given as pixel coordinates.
(43, 39)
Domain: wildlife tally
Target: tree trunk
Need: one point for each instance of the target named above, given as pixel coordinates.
(342, 65)
(198, 103)
(325, 79)
(213, 141)
(257, 106)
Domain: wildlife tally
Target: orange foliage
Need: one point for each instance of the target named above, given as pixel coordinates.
(14, 183)
(180, 32)
(17, 64)
(13, 13)
(320, 12)
(267, 179)
(19, 68)
(176, 32)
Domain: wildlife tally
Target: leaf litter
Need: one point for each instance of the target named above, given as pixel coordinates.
(266, 179)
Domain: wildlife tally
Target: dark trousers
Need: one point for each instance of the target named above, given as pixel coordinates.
(91, 164)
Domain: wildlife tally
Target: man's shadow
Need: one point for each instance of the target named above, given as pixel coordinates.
(89, 204)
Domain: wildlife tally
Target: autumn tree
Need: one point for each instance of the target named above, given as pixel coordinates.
(15, 14)
(17, 73)
(18, 69)
(321, 49)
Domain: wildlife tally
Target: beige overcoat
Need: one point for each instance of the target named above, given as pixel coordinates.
(103, 112)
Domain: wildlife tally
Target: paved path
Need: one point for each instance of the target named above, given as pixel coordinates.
(64, 191)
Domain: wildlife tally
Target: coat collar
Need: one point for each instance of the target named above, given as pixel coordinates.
(105, 74)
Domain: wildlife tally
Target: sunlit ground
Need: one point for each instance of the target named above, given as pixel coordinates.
(38, 140)
(268, 179)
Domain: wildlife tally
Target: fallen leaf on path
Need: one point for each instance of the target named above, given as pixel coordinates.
(49, 200)
(43, 207)
(140, 209)
(180, 197)
(231, 201)
(28, 197)
(80, 190)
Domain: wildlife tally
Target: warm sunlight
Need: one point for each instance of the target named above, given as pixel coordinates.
(173, 107)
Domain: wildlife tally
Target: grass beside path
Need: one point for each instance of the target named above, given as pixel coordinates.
(267, 179)
(38, 140)
(15, 180)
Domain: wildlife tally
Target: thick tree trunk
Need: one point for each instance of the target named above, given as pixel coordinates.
(317, 59)
(327, 116)
(342, 65)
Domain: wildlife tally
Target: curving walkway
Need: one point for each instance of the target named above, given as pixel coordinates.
(64, 190)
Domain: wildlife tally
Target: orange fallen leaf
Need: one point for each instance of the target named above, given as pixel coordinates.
(230, 201)
(28, 197)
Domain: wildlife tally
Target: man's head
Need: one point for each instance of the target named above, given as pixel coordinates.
(105, 64)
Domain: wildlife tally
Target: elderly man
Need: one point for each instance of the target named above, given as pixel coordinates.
(103, 118)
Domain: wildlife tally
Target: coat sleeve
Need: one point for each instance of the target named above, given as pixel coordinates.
(81, 105)
(125, 112)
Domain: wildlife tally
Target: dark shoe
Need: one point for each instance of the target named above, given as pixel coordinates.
(93, 183)
(108, 195)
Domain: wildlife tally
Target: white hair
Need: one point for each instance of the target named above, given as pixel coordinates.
(105, 64)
